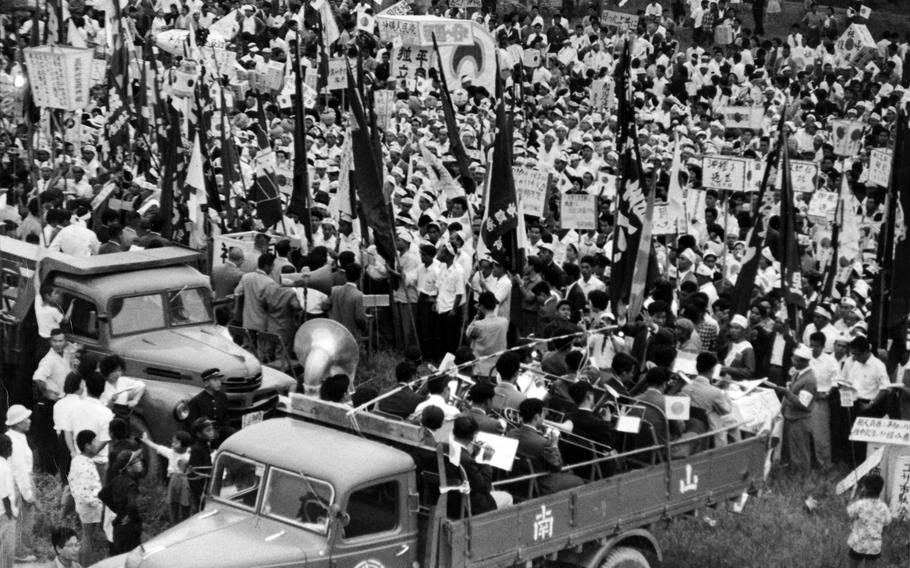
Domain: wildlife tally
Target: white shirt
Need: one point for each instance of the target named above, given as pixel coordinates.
(121, 391)
(451, 284)
(85, 483)
(23, 464)
(8, 486)
(91, 414)
(76, 239)
(48, 317)
(427, 277)
(436, 400)
(52, 371)
(826, 369)
(593, 283)
(63, 412)
(866, 378)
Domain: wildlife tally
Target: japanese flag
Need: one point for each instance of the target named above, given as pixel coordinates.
(366, 22)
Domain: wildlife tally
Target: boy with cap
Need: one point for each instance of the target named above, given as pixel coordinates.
(200, 463)
(210, 403)
(121, 496)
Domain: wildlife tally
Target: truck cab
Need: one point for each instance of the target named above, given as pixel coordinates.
(318, 498)
(153, 308)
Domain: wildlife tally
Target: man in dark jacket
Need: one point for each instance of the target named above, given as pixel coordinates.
(465, 468)
(403, 402)
(211, 403)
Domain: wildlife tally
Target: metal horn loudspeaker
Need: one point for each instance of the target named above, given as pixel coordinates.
(325, 347)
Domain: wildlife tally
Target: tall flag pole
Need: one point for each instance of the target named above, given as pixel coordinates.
(116, 130)
(373, 204)
(631, 236)
(265, 189)
(455, 144)
(755, 240)
(229, 172)
(300, 195)
(171, 174)
(791, 274)
(499, 229)
(894, 250)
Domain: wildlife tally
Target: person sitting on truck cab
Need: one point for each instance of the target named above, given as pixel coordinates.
(542, 451)
(77, 239)
(211, 403)
(438, 387)
(465, 467)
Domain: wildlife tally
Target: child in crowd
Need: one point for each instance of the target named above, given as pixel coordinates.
(869, 515)
(178, 488)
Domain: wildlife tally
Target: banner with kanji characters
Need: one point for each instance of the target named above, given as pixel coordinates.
(578, 211)
(603, 94)
(407, 59)
(60, 76)
(880, 167)
(531, 189)
(724, 173)
(419, 30)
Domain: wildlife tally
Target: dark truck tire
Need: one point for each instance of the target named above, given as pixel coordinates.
(625, 557)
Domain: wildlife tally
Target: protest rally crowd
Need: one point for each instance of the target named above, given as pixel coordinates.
(579, 200)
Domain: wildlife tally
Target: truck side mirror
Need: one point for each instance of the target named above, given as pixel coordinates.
(340, 516)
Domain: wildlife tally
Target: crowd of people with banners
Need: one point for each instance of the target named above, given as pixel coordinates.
(665, 202)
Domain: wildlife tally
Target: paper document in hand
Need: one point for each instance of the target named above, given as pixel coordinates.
(685, 364)
(498, 451)
(630, 418)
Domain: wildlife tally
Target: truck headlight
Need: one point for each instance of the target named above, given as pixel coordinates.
(181, 411)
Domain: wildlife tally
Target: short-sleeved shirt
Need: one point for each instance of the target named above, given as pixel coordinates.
(93, 415)
(866, 378)
(7, 485)
(869, 519)
(451, 284)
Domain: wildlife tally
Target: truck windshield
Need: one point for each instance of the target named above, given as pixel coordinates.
(237, 480)
(189, 306)
(297, 499)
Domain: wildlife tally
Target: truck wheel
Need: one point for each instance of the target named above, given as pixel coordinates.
(153, 463)
(625, 557)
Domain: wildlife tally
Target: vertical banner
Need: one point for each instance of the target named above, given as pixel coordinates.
(60, 76)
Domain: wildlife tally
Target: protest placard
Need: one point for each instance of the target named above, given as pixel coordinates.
(743, 116)
(880, 166)
(724, 173)
(384, 103)
(531, 188)
(803, 176)
(274, 76)
(619, 19)
(871, 463)
(822, 206)
(338, 73)
(578, 211)
(898, 480)
(60, 76)
(419, 30)
(407, 59)
(402, 8)
(661, 222)
(602, 94)
(464, 4)
(881, 431)
(847, 136)
(531, 58)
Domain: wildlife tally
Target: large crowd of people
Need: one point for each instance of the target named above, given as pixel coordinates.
(541, 341)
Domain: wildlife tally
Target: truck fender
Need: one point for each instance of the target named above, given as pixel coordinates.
(157, 408)
(641, 539)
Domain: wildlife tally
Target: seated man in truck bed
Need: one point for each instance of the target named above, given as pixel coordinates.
(542, 452)
(465, 466)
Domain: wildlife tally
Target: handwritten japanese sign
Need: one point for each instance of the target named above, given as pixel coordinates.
(602, 94)
(618, 19)
(578, 212)
(803, 175)
(847, 135)
(419, 30)
(531, 188)
(384, 103)
(402, 8)
(823, 206)
(60, 76)
(881, 431)
(406, 60)
(464, 3)
(899, 482)
(661, 222)
(880, 167)
(724, 173)
(338, 73)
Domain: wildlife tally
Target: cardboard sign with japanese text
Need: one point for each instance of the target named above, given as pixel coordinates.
(407, 59)
(661, 222)
(743, 117)
(619, 19)
(881, 431)
(846, 136)
(602, 94)
(578, 211)
(897, 478)
(338, 73)
(419, 30)
(880, 167)
(803, 176)
(823, 206)
(724, 173)
(60, 76)
(384, 103)
(531, 189)
(464, 4)
(402, 8)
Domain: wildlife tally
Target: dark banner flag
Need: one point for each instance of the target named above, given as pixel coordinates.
(264, 192)
(499, 229)
(791, 273)
(204, 120)
(455, 144)
(889, 320)
(364, 175)
(300, 195)
(632, 205)
(172, 169)
(116, 130)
